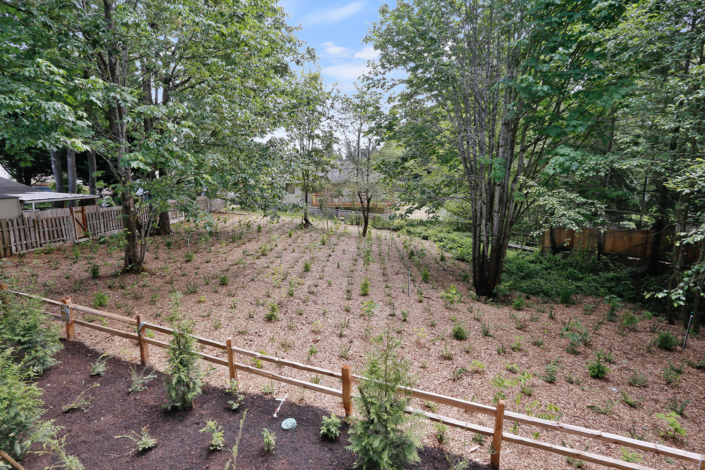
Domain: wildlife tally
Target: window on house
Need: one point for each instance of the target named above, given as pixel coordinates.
(290, 188)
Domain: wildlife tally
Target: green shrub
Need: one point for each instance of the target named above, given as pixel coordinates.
(385, 436)
(20, 408)
(459, 332)
(183, 374)
(273, 312)
(365, 286)
(100, 300)
(216, 430)
(425, 275)
(25, 327)
(307, 266)
(597, 369)
(224, 280)
(666, 340)
(268, 440)
(330, 428)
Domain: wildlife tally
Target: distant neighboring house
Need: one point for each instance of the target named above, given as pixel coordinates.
(336, 195)
(14, 197)
(294, 194)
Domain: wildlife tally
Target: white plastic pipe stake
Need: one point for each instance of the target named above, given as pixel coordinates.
(280, 404)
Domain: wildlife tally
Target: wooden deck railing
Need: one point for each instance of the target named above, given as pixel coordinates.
(497, 433)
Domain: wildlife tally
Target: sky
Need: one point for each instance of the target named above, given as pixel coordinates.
(336, 30)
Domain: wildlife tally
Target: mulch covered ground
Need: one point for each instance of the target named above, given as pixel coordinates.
(239, 273)
(113, 412)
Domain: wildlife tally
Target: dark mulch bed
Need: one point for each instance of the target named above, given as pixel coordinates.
(112, 412)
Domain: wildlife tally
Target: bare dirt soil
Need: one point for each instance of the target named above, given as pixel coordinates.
(113, 411)
(251, 268)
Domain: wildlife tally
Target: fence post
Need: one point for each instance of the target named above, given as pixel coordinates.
(497, 436)
(70, 327)
(347, 387)
(144, 347)
(231, 361)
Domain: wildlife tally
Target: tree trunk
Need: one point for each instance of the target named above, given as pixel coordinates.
(92, 184)
(696, 306)
(58, 176)
(129, 220)
(658, 228)
(71, 170)
(164, 223)
(552, 240)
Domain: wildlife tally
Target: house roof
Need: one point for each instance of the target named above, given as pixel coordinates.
(8, 186)
(27, 194)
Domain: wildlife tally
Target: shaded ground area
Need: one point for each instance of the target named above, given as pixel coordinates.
(112, 412)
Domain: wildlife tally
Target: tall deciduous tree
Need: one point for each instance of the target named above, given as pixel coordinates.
(310, 133)
(493, 89)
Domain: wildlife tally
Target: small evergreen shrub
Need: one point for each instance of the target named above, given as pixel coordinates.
(384, 436)
(20, 408)
(597, 369)
(459, 332)
(365, 287)
(24, 327)
(183, 374)
(666, 340)
(268, 440)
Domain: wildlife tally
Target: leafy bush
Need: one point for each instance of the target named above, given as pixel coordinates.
(20, 408)
(425, 275)
(183, 381)
(216, 430)
(330, 428)
(25, 328)
(666, 340)
(385, 436)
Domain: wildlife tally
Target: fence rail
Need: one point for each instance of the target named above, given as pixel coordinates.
(347, 379)
(37, 229)
(341, 213)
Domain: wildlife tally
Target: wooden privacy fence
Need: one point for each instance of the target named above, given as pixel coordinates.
(632, 243)
(67, 309)
(36, 229)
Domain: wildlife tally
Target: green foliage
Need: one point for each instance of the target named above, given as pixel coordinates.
(606, 409)
(459, 332)
(143, 440)
(273, 313)
(365, 287)
(451, 295)
(140, 380)
(626, 398)
(25, 327)
(425, 275)
(639, 380)
(330, 427)
(666, 340)
(551, 373)
(268, 440)
(597, 369)
(384, 436)
(677, 405)
(184, 375)
(629, 456)
(216, 430)
(672, 421)
(99, 367)
(20, 408)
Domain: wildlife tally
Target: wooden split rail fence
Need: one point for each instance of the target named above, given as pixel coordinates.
(67, 309)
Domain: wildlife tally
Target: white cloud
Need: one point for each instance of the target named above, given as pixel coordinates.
(345, 72)
(367, 53)
(335, 15)
(332, 49)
